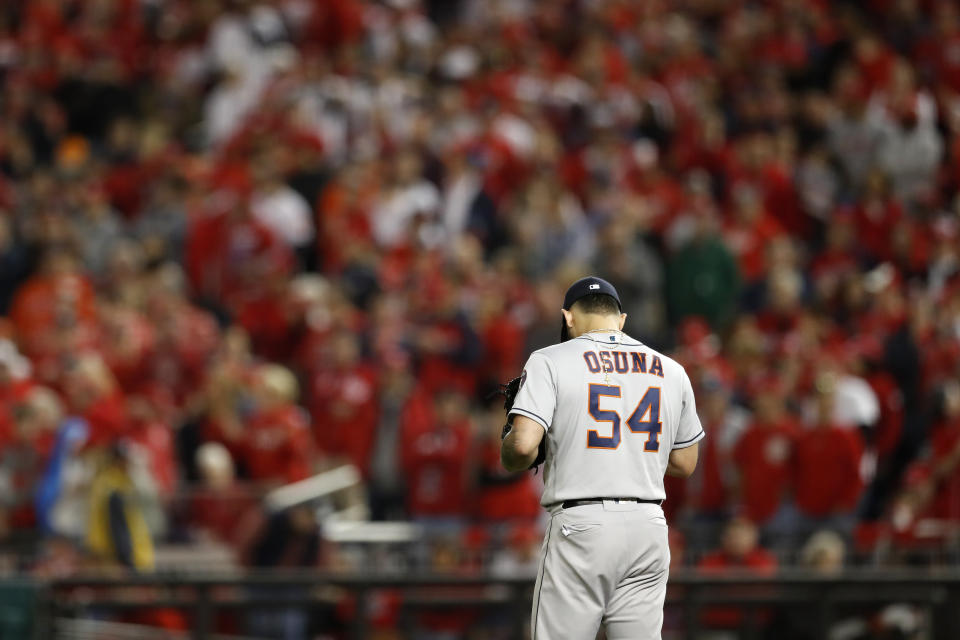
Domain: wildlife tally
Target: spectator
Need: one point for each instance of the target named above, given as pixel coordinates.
(15, 261)
(96, 222)
(630, 262)
(854, 138)
(54, 306)
(288, 539)
(436, 440)
(30, 429)
(501, 496)
(92, 393)
(712, 488)
(118, 530)
(552, 227)
(827, 483)
(739, 551)
(405, 212)
(824, 552)
(704, 279)
(344, 403)
(161, 226)
(877, 217)
(276, 444)
(750, 231)
(764, 456)
(221, 509)
(279, 208)
(228, 251)
(910, 145)
(387, 478)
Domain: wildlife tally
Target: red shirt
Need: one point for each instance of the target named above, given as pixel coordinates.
(504, 497)
(129, 343)
(223, 512)
(434, 458)
(945, 54)
(748, 242)
(663, 195)
(757, 560)
(833, 263)
(345, 413)
(227, 256)
(712, 493)
(875, 222)
(107, 418)
(45, 301)
(443, 365)
(269, 319)
(763, 457)
(343, 222)
(155, 440)
(503, 341)
(276, 446)
(186, 339)
(827, 479)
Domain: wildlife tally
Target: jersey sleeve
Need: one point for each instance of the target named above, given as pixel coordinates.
(689, 430)
(537, 397)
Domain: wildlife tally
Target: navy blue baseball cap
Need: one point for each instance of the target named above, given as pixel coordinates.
(584, 287)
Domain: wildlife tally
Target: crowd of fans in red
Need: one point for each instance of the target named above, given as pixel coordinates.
(316, 231)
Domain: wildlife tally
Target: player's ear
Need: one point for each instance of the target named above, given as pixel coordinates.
(623, 320)
(567, 317)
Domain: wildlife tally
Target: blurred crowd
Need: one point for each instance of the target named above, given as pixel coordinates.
(243, 242)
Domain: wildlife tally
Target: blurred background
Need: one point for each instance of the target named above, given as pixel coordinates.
(262, 262)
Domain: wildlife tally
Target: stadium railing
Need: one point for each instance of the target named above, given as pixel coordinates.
(819, 601)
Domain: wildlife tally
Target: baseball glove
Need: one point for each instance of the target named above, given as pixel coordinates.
(509, 392)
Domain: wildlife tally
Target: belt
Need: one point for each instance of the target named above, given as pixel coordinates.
(582, 503)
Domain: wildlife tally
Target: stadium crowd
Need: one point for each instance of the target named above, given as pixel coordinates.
(242, 242)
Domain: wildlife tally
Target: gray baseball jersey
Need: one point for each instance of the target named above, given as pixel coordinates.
(613, 410)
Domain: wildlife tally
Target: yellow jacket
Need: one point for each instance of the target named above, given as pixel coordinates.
(117, 529)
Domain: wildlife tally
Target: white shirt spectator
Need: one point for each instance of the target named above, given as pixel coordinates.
(393, 213)
(856, 403)
(286, 213)
(909, 155)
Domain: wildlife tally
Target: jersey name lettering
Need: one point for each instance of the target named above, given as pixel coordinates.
(622, 362)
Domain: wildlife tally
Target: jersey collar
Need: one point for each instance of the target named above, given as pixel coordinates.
(610, 337)
(604, 337)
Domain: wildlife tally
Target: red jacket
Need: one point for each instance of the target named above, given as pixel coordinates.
(764, 456)
(276, 445)
(875, 222)
(827, 479)
(713, 490)
(504, 496)
(345, 412)
(108, 419)
(226, 256)
(748, 242)
(434, 459)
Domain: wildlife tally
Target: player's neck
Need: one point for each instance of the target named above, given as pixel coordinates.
(599, 324)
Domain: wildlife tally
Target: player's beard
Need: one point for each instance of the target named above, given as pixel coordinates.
(564, 330)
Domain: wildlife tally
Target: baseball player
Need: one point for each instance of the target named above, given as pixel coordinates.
(609, 416)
